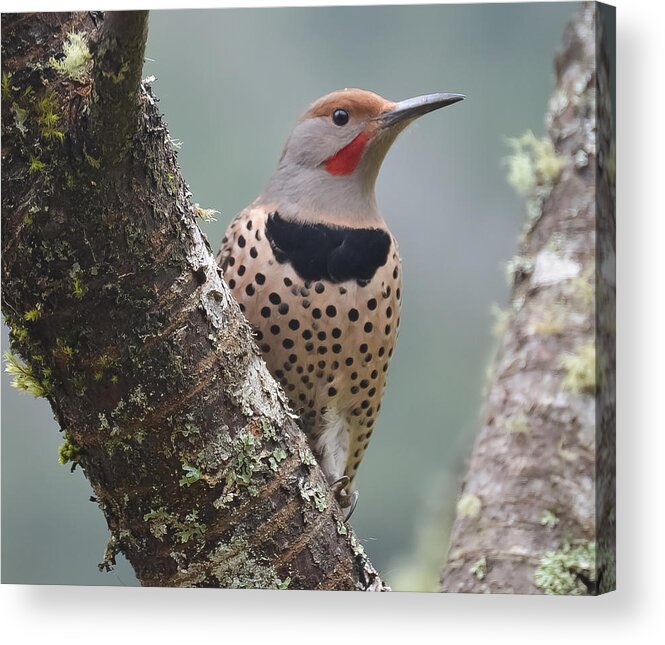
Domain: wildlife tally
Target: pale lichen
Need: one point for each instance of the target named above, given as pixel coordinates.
(533, 162)
(500, 320)
(548, 519)
(580, 369)
(568, 570)
(76, 62)
(206, 214)
(479, 568)
(314, 493)
(161, 521)
(469, 505)
(306, 457)
(551, 268)
(191, 476)
(517, 424)
(552, 321)
(234, 566)
(518, 268)
(533, 167)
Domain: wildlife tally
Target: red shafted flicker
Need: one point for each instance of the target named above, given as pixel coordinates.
(318, 275)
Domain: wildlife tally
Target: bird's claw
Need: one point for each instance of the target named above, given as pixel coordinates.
(353, 502)
(345, 500)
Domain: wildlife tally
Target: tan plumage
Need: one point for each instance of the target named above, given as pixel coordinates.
(318, 274)
(328, 344)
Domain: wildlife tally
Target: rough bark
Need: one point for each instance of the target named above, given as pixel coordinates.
(527, 518)
(118, 309)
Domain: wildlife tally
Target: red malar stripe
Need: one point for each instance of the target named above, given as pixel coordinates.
(344, 161)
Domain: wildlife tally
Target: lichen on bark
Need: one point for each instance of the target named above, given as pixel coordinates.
(541, 475)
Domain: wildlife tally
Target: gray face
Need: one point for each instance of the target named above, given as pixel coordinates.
(315, 140)
(302, 188)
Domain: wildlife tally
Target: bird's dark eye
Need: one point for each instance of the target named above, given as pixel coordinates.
(340, 117)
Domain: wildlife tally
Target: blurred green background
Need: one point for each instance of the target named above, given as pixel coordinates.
(231, 83)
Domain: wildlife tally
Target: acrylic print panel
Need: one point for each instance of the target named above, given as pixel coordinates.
(222, 454)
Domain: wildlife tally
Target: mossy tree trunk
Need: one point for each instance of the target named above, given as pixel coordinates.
(117, 307)
(539, 490)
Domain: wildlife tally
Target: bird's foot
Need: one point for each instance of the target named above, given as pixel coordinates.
(339, 485)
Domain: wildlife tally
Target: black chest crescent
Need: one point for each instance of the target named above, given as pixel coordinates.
(324, 252)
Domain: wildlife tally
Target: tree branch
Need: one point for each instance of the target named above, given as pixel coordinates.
(117, 306)
(116, 83)
(527, 518)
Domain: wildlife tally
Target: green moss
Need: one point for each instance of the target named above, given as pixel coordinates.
(562, 572)
(580, 370)
(24, 377)
(68, 452)
(171, 183)
(77, 286)
(33, 314)
(76, 63)
(36, 164)
(101, 366)
(95, 163)
(46, 110)
(6, 87)
(20, 334)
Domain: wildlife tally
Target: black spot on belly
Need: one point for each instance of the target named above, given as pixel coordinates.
(323, 252)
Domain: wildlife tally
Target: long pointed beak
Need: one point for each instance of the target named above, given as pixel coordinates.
(411, 109)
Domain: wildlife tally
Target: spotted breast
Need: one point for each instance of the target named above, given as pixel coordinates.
(324, 302)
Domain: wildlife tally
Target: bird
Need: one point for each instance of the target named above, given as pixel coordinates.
(317, 272)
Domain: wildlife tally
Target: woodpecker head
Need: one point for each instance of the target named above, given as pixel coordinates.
(332, 158)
